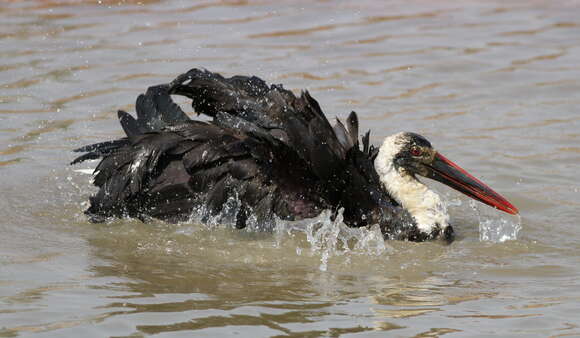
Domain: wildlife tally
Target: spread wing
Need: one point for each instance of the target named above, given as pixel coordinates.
(267, 151)
(297, 121)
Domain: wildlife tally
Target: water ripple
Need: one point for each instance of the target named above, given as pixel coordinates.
(492, 84)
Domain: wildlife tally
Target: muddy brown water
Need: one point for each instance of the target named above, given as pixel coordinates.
(495, 85)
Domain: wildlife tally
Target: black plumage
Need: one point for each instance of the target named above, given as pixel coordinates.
(266, 152)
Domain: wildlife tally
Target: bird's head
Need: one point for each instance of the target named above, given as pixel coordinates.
(403, 156)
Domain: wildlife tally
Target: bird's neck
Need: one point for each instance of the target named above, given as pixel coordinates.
(426, 206)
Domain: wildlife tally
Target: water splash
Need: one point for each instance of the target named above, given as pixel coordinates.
(330, 237)
(498, 230)
(326, 236)
(323, 236)
(494, 227)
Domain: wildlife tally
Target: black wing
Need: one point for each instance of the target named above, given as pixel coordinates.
(168, 166)
(298, 122)
(345, 173)
(267, 151)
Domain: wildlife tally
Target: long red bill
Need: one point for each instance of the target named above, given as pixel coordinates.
(449, 173)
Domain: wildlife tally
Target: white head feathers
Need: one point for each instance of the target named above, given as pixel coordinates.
(426, 206)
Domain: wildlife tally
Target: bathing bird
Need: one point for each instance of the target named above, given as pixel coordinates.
(264, 153)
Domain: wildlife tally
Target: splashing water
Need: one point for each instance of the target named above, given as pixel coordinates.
(496, 228)
(330, 237)
(323, 236)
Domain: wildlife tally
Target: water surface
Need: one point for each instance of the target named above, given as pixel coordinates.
(493, 84)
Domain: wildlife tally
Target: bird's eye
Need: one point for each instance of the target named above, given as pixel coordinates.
(416, 151)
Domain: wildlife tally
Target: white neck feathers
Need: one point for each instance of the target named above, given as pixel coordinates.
(422, 203)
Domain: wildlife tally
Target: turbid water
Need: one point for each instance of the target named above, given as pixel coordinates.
(495, 85)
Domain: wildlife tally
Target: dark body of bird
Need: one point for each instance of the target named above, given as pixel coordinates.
(274, 153)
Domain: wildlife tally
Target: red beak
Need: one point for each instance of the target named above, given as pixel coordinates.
(449, 173)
